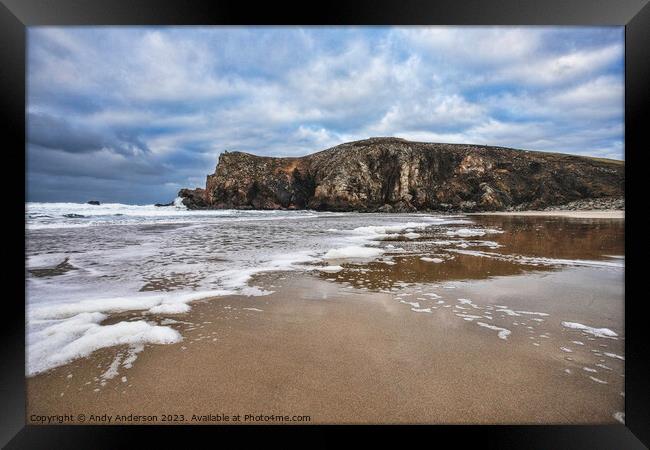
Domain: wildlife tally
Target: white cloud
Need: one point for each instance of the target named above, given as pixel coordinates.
(435, 112)
(558, 69)
(475, 45)
(603, 92)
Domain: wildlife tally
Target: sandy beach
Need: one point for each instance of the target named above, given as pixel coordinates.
(515, 319)
(587, 214)
(341, 356)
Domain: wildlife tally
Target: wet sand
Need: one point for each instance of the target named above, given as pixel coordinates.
(346, 357)
(590, 214)
(407, 342)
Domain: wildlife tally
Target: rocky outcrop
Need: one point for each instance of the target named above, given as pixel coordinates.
(592, 204)
(193, 198)
(395, 175)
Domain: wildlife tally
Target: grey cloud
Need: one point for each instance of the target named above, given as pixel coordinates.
(57, 133)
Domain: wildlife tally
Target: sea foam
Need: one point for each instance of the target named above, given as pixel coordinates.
(598, 332)
(81, 335)
(353, 251)
(503, 333)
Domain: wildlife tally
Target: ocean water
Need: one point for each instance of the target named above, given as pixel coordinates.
(85, 263)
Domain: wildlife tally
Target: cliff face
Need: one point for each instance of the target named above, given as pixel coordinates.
(391, 174)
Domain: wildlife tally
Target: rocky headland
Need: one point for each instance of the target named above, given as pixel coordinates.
(396, 175)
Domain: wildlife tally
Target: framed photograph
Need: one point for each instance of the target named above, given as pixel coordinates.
(375, 213)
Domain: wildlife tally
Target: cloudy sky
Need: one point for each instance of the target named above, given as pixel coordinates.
(133, 114)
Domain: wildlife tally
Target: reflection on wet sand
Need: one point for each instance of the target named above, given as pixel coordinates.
(526, 244)
(412, 269)
(558, 237)
(537, 283)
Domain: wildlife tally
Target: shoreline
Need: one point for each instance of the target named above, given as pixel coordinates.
(316, 348)
(575, 213)
(578, 214)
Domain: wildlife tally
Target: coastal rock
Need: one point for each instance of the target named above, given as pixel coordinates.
(592, 204)
(395, 175)
(93, 202)
(385, 209)
(194, 198)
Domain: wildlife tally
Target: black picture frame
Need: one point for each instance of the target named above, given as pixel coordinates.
(16, 15)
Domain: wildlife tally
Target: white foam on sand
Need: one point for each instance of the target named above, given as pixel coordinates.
(503, 333)
(565, 349)
(254, 309)
(118, 304)
(353, 251)
(620, 416)
(532, 313)
(62, 332)
(537, 261)
(598, 332)
(80, 335)
(422, 310)
(614, 355)
(132, 355)
(112, 370)
(413, 304)
(468, 317)
(330, 269)
(598, 380)
(491, 244)
(433, 260)
(254, 291)
(509, 312)
(170, 308)
(363, 236)
(469, 232)
(382, 231)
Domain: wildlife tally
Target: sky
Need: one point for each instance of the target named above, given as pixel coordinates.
(133, 114)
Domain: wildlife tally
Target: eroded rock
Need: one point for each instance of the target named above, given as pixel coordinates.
(194, 198)
(395, 175)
